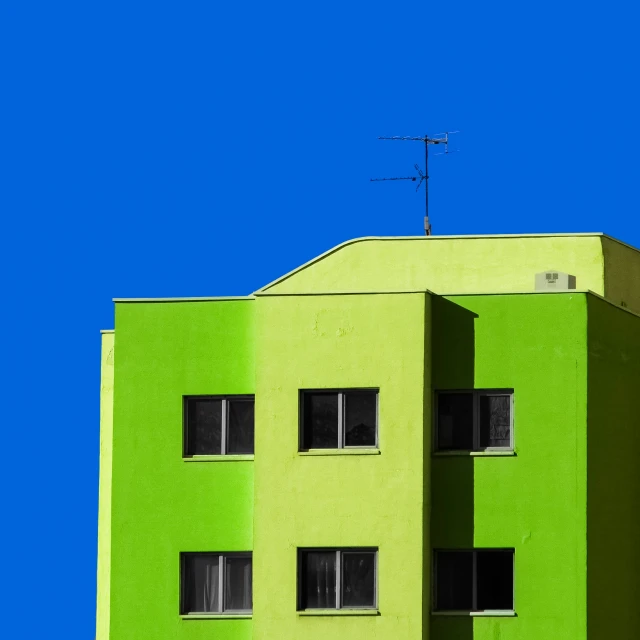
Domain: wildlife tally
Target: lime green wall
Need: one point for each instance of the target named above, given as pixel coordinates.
(448, 265)
(104, 500)
(613, 520)
(535, 501)
(163, 505)
(341, 500)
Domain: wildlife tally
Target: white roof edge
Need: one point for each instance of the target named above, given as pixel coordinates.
(433, 238)
(426, 239)
(103, 331)
(267, 294)
(203, 299)
(450, 294)
(624, 244)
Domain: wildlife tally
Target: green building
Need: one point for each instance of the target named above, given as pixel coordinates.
(405, 438)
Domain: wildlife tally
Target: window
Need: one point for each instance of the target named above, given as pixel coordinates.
(215, 583)
(339, 419)
(218, 425)
(337, 578)
(475, 580)
(474, 420)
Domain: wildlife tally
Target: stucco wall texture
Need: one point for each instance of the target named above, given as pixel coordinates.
(535, 500)
(163, 505)
(613, 480)
(470, 264)
(447, 265)
(567, 499)
(311, 342)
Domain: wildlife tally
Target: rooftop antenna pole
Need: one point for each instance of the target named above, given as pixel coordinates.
(439, 138)
(427, 223)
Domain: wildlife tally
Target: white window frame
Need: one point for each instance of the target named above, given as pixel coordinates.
(222, 577)
(341, 415)
(339, 577)
(474, 578)
(224, 436)
(477, 394)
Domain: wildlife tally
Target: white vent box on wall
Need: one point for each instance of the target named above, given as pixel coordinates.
(554, 281)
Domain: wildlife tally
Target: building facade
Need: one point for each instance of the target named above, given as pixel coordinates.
(402, 439)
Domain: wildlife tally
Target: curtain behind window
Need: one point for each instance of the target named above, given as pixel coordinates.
(202, 588)
(238, 584)
(358, 579)
(320, 582)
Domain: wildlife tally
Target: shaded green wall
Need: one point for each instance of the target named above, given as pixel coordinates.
(621, 274)
(613, 516)
(341, 499)
(535, 501)
(163, 505)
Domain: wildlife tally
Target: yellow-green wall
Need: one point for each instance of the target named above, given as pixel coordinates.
(380, 500)
(448, 265)
(104, 500)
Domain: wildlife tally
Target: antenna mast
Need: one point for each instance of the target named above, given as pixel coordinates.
(439, 138)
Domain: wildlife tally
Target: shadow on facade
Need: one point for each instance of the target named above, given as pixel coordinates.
(452, 477)
(453, 345)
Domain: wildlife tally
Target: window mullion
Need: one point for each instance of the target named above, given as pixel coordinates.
(338, 580)
(225, 427)
(511, 421)
(341, 409)
(474, 598)
(375, 579)
(221, 583)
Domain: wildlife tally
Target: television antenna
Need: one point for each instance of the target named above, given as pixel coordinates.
(438, 138)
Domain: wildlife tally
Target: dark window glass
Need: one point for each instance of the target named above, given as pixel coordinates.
(454, 580)
(204, 426)
(495, 421)
(495, 580)
(237, 580)
(492, 574)
(320, 421)
(455, 421)
(360, 419)
(200, 584)
(318, 580)
(358, 579)
(241, 426)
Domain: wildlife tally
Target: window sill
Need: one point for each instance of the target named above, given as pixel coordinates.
(340, 452)
(477, 614)
(480, 454)
(216, 616)
(339, 612)
(227, 458)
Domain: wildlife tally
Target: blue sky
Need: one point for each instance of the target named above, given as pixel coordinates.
(200, 148)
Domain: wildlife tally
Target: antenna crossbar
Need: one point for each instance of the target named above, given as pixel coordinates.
(439, 138)
(384, 179)
(430, 140)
